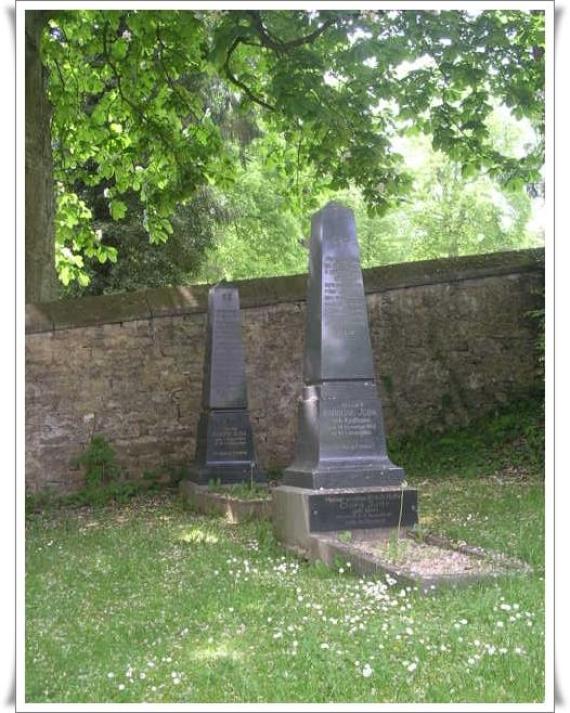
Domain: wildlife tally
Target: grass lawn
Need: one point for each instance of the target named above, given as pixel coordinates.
(148, 603)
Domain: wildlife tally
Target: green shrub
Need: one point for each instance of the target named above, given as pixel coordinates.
(99, 463)
(539, 315)
(105, 481)
(510, 437)
(38, 502)
(175, 472)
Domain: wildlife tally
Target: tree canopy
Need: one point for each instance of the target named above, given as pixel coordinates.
(151, 107)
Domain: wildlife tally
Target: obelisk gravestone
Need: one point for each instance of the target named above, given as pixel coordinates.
(224, 444)
(342, 477)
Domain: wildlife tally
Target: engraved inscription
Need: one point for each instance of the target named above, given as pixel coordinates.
(352, 426)
(227, 358)
(362, 510)
(228, 298)
(343, 299)
(230, 442)
(350, 419)
(364, 505)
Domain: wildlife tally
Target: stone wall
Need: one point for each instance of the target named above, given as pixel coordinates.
(451, 338)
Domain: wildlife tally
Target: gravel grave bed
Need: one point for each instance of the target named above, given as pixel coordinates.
(436, 557)
(424, 559)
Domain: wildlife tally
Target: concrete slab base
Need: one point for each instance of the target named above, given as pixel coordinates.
(298, 512)
(201, 499)
(393, 554)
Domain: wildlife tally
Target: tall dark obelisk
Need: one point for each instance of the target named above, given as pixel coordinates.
(341, 441)
(341, 471)
(224, 444)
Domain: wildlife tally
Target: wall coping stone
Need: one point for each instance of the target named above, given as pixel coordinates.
(189, 299)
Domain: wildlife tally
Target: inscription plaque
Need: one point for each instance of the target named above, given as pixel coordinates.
(341, 441)
(224, 443)
(362, 510)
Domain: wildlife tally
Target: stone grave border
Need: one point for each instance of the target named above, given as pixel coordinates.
(327, 548)
(234, 509)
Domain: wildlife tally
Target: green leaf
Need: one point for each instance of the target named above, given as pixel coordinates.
(468, 170)
(119, 49)
(65, 275)
(118, 209)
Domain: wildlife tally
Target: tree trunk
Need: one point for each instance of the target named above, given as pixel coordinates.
(41, 279)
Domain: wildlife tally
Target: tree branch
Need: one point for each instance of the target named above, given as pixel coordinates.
(169, 79)
(274, 43)
(270, 42)
(238, 83)
(117, 76)
(135, 109)
(60, 75)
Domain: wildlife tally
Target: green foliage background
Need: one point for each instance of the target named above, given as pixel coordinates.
(194, 145)
(445, 215)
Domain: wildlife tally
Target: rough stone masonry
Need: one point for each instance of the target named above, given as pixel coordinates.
(455, 337)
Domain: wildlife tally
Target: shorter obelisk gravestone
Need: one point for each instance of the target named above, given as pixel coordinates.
(224, 444)
(342, 477)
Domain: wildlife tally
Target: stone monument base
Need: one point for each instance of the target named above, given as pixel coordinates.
(333, 474)
(341, 439)
(235, 509)
(358, 529)
(224, 449)
(299, 513)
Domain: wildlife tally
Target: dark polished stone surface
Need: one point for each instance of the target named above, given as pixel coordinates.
(363, 509)
(337, 337)
(224, 365)
(225, 437)
(341, 441)
(224, 444)
(340, 437)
